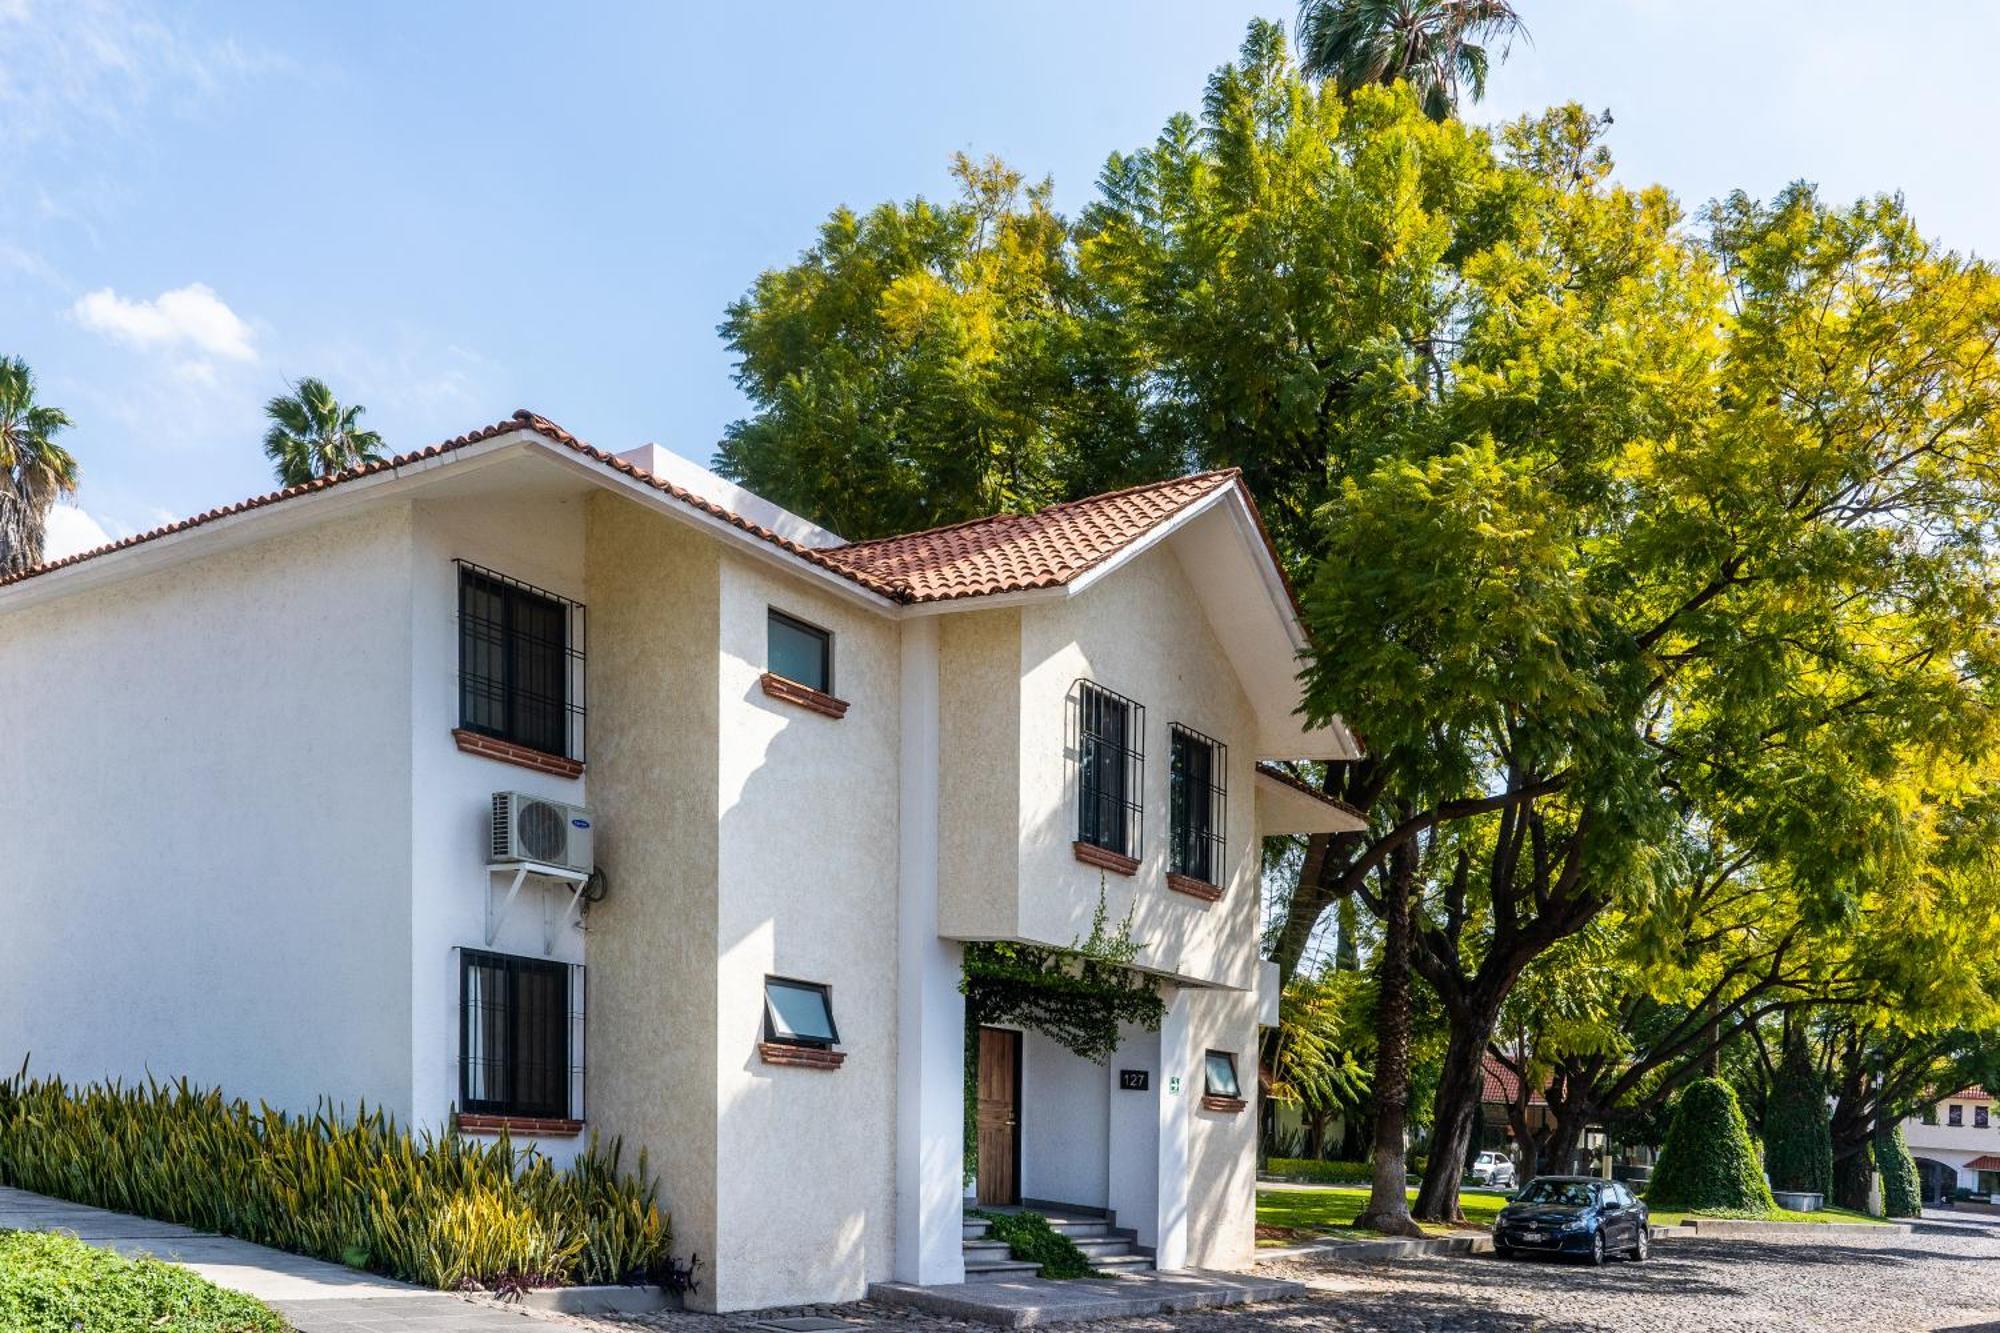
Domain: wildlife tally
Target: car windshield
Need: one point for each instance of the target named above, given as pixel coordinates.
(1569, 1193)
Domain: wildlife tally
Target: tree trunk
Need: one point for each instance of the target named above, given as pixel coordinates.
(1388, 1209)
(1460, 1091)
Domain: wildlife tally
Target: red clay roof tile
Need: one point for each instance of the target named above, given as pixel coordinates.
(1020, 552)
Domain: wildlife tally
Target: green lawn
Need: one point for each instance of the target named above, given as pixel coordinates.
(1318, 1211)
(57, 1284)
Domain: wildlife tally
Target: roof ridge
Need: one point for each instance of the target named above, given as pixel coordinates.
(1037, 513)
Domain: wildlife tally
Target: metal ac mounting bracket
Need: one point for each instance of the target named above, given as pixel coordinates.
(519, 873)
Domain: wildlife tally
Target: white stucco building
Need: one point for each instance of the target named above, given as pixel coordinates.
(265, 743)
(1956, 1144)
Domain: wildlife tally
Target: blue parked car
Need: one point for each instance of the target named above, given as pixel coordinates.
(1577, 1215)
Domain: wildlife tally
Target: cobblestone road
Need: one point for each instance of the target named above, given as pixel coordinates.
(1943, 1275)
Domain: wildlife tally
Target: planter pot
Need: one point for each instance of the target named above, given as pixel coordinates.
(1799, 1201)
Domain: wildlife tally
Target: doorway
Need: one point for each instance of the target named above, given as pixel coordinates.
(999, 1116)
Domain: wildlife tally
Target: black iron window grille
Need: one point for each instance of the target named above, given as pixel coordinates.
(520, 1036)
(1197, 805)
(1108, 748)
(520, 663)
(1954, 1115)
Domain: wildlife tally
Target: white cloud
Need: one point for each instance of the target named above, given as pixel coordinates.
(71, 531)
(186, 316)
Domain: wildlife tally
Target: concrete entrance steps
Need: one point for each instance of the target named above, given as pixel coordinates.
(1109, 1247)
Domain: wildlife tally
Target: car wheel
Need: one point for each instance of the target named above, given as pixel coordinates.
(1643, 1246)
(1597, 1248)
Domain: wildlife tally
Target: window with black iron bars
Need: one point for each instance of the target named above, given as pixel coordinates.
(521, 1025)
(1197, 805)
(1107, 742)
(520, 663)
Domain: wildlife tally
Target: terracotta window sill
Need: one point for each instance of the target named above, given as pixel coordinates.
(507, 752)
(1104, 859)
(539, 1126)
(1194, 888)
(1211, 1102)
(806, 1057)
(805, 696)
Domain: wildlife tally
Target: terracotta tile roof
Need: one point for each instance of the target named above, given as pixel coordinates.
(1969, 1095)
(1271, 770)
(1005, 553)
(1503, 1085)
(1021, 552)
(1987, 1163)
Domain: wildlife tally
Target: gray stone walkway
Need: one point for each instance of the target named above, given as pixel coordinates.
(316, 1297)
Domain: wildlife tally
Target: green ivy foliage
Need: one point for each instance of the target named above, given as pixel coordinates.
(1031, 1239)
(1708, 1161)
(1902, 1196)
(1798, 1139)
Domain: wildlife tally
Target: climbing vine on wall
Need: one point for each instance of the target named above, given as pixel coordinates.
(1078, 997)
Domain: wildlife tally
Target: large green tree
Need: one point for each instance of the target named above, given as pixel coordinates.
(925, 363)
(313, 435)
(1608, 525)
(1438, 46)
(34, 469)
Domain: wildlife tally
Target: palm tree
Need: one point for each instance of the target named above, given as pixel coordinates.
(313, 436)
(1434, 45)
(34, 470)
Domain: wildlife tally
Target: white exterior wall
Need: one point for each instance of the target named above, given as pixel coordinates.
(1956, 1145)
(808, 870)
(1141, 633)
(1065, 1125)
(222, 887)
(538, 540)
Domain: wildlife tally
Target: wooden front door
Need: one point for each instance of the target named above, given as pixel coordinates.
(999, 1115)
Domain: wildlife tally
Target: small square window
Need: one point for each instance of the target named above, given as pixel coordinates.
(800, 652)
(1221, 1067)
(1954, 1114)
(798, 1013)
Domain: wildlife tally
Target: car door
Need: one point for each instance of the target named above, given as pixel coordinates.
(1616, 1218)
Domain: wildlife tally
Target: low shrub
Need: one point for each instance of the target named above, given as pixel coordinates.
(444, 1211)
(1031, 1239)
(1708, 1161)
(57, 1284)
(1323, 1173)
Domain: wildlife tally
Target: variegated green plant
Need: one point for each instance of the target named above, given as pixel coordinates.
(444, 1211)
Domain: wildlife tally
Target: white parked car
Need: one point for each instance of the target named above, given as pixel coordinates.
(1493, 1168)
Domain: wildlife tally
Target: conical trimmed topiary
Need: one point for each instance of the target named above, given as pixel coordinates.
(1798, 1142)
(1902, 1196)
(1708, 1162)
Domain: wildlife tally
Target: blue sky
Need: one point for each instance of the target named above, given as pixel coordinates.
(450, 211)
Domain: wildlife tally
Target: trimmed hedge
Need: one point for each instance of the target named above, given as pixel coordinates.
(1708, 1161)
(447, 1212)
(1902, 1192)
(1798, 1140)
(1322, 1173)
(51, 1283)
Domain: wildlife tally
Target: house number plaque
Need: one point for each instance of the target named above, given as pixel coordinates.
(1134, 1080)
